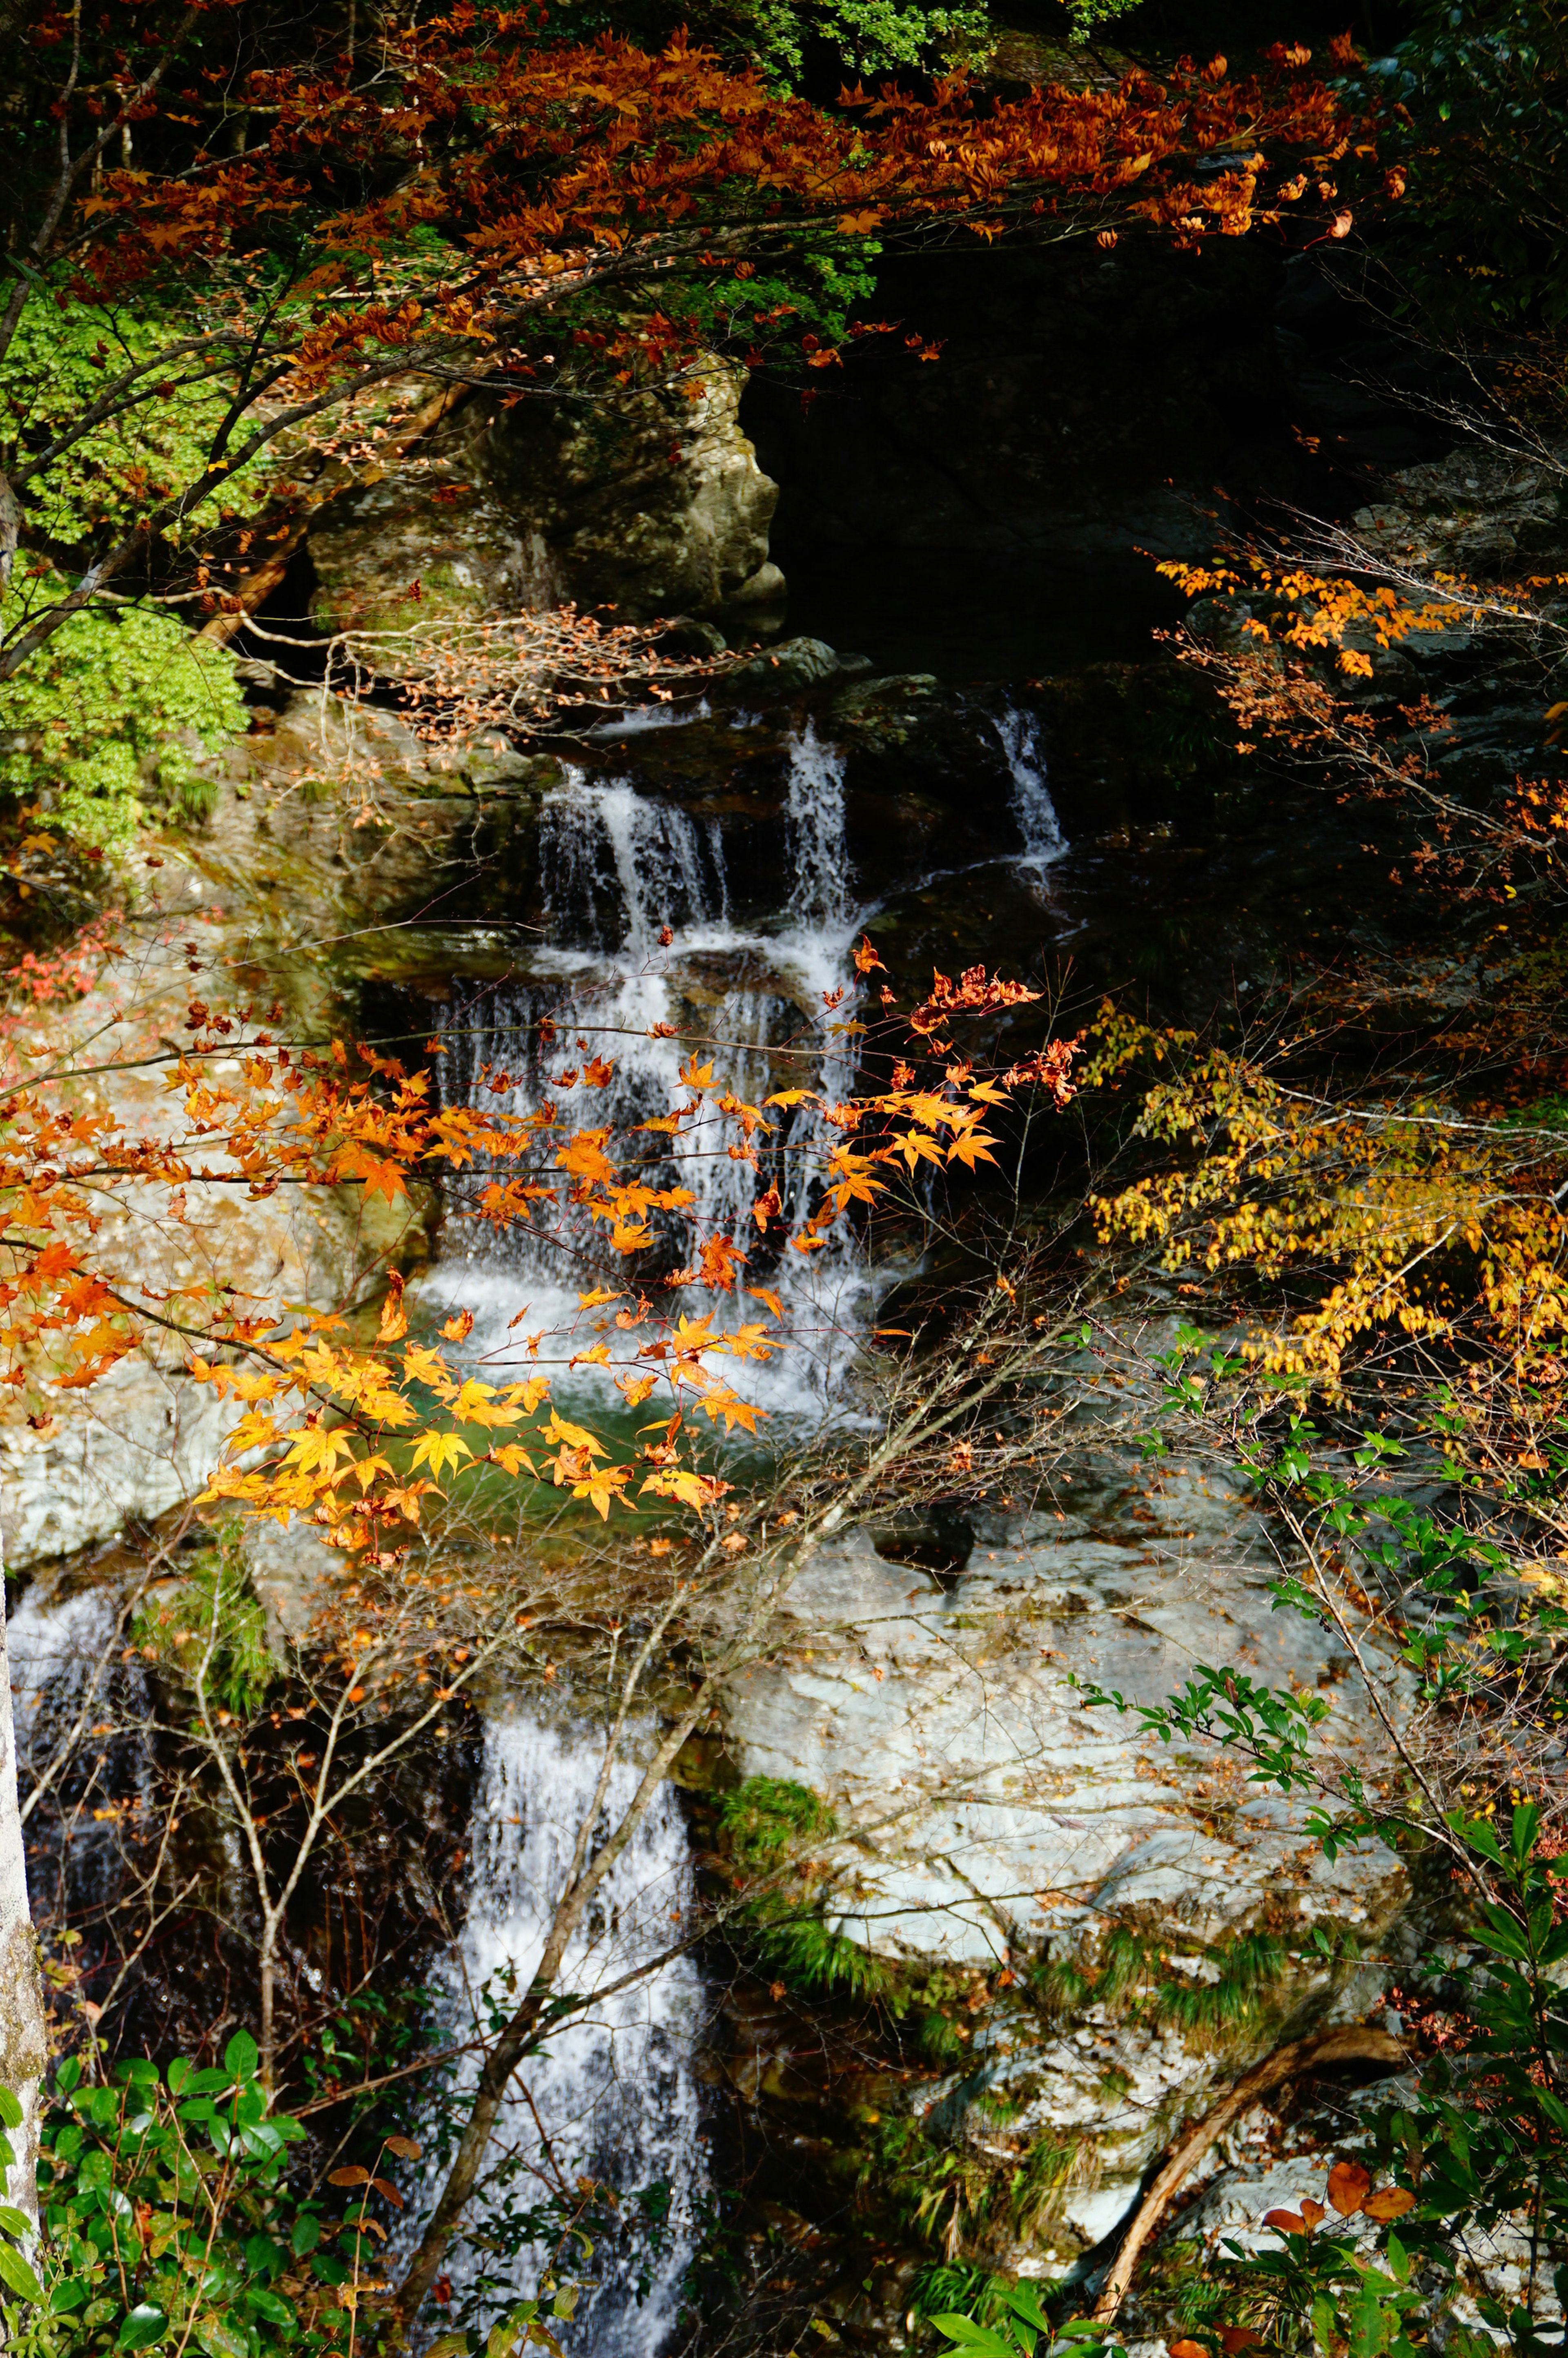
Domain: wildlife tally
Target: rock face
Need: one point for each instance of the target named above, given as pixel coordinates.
(143, 1437)
(1476, 513)
(987, 1819)
(652, 504)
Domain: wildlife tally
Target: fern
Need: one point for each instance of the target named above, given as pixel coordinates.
(767, 1816)
(806, 1951)
(212, 1628)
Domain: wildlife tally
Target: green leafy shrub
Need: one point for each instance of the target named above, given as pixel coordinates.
(117, 707)
(55, 369)
(170, 2218)
(164, 2218)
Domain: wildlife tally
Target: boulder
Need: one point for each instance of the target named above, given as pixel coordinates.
(986, 1818)
(946, 1725)
(1484, 514)
(784, 670)
(652, 503)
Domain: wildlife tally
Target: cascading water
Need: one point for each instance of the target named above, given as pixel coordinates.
(620, 869)
(612, 2094)
(620, 866)
(64, 1658)
(1033, 807)
(816, 847)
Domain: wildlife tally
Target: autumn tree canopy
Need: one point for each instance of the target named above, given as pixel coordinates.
(277, 273)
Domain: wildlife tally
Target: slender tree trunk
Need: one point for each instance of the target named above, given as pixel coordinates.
(267, 2043)
(24, 2045)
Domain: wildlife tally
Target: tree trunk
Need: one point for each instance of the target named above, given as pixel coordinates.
(1345, 2043)
(23, 2044)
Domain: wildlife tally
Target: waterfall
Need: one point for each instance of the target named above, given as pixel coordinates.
(618, 867)
(614, 2090)
(1032, 803)
(65, 1663)
(817, 856)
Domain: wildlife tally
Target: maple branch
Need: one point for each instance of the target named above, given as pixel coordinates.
(1343, 2044)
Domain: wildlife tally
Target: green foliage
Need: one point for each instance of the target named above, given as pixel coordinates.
(764, 1818)
(1134, 1980)
(938, 2040)
(119, 704)
(172, 2218)
(1091, 17)
(165, 2218)
(212, 1631)
(1484, 2138)
(868, 37)
(763, 1821)
(114, 696)
(962, 2285)
(805, 1951)
(1037, 2186)
(1020, 2322)
(1481, 237)
(63, 354)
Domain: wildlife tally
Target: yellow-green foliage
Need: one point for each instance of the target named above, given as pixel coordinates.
(870, 36)
(122, 701)
(60, 361)
(116, 705)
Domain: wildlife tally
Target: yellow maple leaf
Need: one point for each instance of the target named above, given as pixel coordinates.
(558, 1431)
(721, 1401)
(317, 1447)
(603, 1485)
(438, 1449)
(972, 1146)
(425, 1366)
(475, 1405)
(691, 1489)
(750, 1342)
(252, 1432)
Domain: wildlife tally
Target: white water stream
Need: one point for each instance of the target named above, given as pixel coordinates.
(617, 867)
(1032, 807)
(614, 2093)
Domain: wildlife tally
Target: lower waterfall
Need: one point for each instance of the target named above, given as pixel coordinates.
(614, 2093)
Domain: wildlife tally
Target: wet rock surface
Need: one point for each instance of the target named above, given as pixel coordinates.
(946, 1725)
